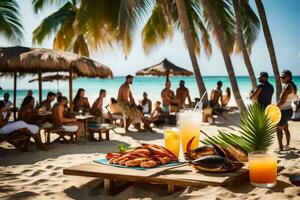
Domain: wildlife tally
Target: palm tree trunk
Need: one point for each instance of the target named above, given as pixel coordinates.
(241, 41)
(223, 45)
(269, 41)
(186, 29)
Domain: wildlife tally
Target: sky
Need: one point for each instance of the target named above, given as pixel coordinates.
(283, 17)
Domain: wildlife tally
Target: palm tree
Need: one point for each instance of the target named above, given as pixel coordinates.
(158, 27)
(247, 27)
(10, 22)
(269, 41)
(221, 36)
(186, 29)
(167, 16)
(61, 23)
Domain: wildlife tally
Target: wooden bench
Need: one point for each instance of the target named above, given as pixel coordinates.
(100, 130)
(20, 138)
(61, 135)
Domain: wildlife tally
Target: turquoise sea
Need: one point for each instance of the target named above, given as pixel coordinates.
(152, 85)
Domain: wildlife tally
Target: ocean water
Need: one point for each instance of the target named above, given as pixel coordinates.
(152, 85)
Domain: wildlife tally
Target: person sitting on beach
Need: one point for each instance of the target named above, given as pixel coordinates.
(47, 103)
(29, 93)
(182, 93)
(216, 95)
(226, 97)
(60, 120)
(97, 108)
(287, 96)
(81, 102)
(6, 100)
(128, 107)
(7, 127)
(158, 115)
(8, 104)
(113, 110)
(264, 91)
(27, 109)
(146, 104)
(169, 101)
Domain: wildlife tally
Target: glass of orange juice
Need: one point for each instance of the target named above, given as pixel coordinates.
(172, 139)
(189, 124)
(262, 169)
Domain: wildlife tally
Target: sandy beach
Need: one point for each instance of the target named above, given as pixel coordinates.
(39, 175)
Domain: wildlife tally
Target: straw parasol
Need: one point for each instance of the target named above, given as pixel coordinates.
(26, 60)
(50, 78)
(164, 68)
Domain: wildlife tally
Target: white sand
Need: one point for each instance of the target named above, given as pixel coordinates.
(38, 174)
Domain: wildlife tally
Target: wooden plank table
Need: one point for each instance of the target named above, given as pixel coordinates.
(173, 176)
(85, 118)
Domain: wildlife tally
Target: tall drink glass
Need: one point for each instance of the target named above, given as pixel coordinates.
(189, 125)
(172, 139)
(262, 169)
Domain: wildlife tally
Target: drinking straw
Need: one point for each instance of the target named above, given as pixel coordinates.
(199, 102)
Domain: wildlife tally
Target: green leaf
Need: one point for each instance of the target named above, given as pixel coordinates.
(256, 132)
(10, 22)
(123, 147)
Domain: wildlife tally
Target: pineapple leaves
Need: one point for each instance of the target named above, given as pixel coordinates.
(256, 132)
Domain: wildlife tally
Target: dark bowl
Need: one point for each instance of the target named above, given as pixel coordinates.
(295, 179)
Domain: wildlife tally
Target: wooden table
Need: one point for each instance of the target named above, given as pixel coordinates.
(84, 119)
(171, 177)
(43, 114)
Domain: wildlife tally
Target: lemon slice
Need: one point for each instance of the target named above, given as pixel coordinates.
(273, 112)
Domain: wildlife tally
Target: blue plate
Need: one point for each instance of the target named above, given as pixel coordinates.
(105, 162)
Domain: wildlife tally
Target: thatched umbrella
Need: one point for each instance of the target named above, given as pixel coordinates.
(164, 68)
(37, 60)
(50, 78)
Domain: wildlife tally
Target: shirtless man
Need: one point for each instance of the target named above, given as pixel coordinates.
(69, 124)
(167, 96)
(127, 105)
(97, 108)
(216, 95)
(182, 93)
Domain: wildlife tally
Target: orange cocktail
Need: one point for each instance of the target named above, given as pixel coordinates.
(189, 124)
(262, 169)
(172, 140)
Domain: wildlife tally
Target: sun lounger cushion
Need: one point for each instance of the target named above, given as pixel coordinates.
(17, 125)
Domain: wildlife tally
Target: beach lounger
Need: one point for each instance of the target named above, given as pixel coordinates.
(20, 138)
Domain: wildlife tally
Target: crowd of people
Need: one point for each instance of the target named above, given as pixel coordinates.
(142, 113)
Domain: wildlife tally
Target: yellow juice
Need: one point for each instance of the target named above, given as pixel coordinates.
(189, 123)
(172, 141)
(263, 169)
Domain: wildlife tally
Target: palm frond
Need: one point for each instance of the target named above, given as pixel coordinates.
(99, 21)
(157, 29)
(52, 23)
(131, 13)
(10, 23)
(250, 24)
(64, 38)
(39, 5)
(81, 47)
(223, 12)
(256, 132)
